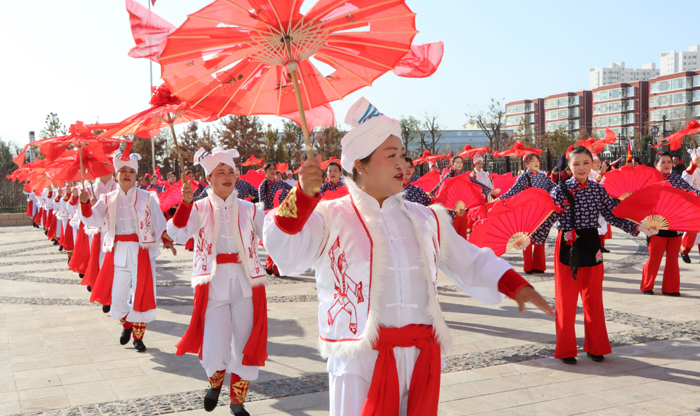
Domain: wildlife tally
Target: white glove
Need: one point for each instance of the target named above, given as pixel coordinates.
(648, 231)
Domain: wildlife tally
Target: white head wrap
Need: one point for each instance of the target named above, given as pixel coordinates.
(477, 157)
(431, 164)
(132, 161)
(371, 129)
(209, 161)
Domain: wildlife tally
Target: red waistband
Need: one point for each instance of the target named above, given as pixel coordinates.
(130, 238)
(227, 258)
(406, 336)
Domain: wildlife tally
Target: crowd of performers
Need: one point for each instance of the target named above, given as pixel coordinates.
(375, 243)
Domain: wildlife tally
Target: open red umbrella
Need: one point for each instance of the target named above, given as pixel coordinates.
(470, 151)
(166, 110)
(518, 150)
(253, 161)
(513, 220)
(674, 140)
(245, 57)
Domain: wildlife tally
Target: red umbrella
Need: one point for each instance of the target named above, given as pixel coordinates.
(470, 151)
(166, 110)
(252, 160)
(674, 140)
(427, 157)
(513, 220)
(241, 57)
(518, 150)
(662, 206)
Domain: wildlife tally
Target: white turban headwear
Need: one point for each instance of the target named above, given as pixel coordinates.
(478, 157)
(209, 161)
(371, 129)
(121, 159)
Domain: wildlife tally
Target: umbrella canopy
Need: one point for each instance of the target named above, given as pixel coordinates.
(518, 150)
(427, 157)
(325, 163)
(231, 56)
(674, 140)
(252, 160)
(470, 151)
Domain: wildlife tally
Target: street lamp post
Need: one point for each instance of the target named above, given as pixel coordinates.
(650, 150)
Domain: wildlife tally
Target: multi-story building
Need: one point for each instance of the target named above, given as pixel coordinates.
(623, 107)
(570, 111)
(455, 140)
(617, 73)
(532, 111)
(673, 62)
(676, 96)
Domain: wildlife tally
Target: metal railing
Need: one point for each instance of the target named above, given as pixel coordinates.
(12, 198)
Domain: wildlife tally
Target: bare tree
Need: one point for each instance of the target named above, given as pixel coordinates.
(244, 134)
(432, 135)
(327, 141)
(293, 139)
(410, 127)
(490, 121)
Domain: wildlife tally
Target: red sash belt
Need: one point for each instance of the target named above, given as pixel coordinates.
(255, 350)
(424, 391)
(144, 295)
(227, 258)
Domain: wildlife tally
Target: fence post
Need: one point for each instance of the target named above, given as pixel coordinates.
(547, 160)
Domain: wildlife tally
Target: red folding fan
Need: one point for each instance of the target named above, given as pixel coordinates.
(459, 193)
(621, 183)
(429, 181)
(513, 220)
(503, 182)
(662, 206)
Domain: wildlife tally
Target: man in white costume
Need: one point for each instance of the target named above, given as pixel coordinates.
(228, 328)
(376, 259)
(692, 176)
(134, 226)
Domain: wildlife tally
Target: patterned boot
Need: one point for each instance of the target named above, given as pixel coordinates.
(126, 332)
(239, 390)
(212, 397)
(139, 332)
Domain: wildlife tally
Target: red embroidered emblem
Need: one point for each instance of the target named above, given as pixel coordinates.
(149, 235)
(252, 253)
(203, 251)
(343, 285)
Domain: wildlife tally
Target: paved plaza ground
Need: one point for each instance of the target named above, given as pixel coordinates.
(60, 355)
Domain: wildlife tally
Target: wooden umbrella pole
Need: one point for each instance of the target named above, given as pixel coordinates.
(82, 173)
(179, 154)
(293, 67)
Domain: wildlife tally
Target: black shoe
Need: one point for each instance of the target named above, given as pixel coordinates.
(191, 249)
(569, 360)
(211, 399)
(596, 358)
(69, 261)
(106, 308)
(674, 294)
(604, 250)
(56, 243)
(60, 248)
(139, 345)
(126, 336)
(529, 272)
(89, 289)
(648, 292)
(238, 410)
(268, 271)
(46, 232)
(686, 258)
(536, 271)
(81, 275)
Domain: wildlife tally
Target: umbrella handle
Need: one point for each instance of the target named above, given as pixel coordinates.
(82, 173)
(179, 155)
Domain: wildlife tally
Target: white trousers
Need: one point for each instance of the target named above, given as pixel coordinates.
(123, 288)
(227, 325)
(349, 391)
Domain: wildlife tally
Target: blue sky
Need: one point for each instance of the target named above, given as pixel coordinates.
(70, 56)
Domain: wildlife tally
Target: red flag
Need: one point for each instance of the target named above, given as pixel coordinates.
(149, 31)
(629, 150)
(171, 197)
(422, 61)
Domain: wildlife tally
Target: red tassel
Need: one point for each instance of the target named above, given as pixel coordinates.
(191, 342)
(144, 296)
